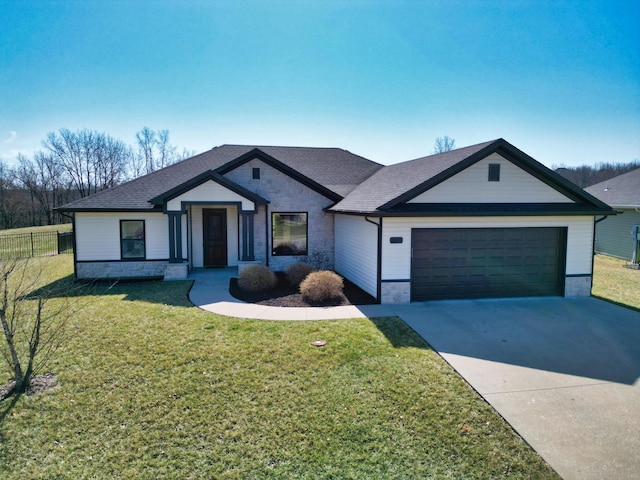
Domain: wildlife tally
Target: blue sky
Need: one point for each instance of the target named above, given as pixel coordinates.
(383, 79)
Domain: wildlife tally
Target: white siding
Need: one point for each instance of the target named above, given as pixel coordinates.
(472, 186)
(396, 258)
(197, 238)
(209, 192)
(98, 235)
(356, 247)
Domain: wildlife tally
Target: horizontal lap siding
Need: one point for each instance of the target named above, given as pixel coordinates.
(356, 249)
(613, 235)
(472, 186)
(98, 235)
(396, 257)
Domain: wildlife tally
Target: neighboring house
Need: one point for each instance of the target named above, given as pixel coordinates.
(481, 221)
(613, 235)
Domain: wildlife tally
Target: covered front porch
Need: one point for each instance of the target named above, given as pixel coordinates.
(212, 224)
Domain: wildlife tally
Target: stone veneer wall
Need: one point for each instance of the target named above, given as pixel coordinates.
(286, 195)
(577, 286)
(149, 268)
(395, 292)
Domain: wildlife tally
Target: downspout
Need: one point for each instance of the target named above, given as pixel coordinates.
(378, 259)
(73, 229)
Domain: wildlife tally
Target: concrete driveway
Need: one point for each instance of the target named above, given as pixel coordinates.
(562, 371)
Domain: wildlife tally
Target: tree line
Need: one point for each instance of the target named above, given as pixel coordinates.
(74, 165)
(587, 175)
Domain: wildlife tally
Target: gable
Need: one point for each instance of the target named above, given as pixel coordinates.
(283, 191)
(257, 154)
(210, 192)
(472, 185)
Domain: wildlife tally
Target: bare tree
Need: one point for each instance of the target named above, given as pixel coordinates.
(155, 152)
(92, 160)
(146, 139)
(33, 327)
(444, 144)
(43, 178)
(10, 206)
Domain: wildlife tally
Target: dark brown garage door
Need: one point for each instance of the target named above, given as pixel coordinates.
(487, 262)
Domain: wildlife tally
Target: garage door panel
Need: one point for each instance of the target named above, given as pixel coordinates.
(489, 262)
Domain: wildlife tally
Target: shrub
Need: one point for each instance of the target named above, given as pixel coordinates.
(322, 286)
(297, 272)
(257, 278)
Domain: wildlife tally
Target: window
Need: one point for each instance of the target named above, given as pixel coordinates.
(132, 239)
(494, 172)
(289, 233)
(256, 173)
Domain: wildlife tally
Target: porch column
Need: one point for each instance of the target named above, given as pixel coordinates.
(172, 238)
(247, 237)
(178, 221)
(175, 237)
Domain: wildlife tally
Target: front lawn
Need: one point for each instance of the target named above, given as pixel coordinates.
(152, 387)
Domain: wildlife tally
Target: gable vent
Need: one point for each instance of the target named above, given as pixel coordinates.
(494, 172)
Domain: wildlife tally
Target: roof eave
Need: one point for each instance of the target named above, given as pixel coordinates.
(151, 209)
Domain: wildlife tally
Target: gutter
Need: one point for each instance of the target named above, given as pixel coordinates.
(378, 259)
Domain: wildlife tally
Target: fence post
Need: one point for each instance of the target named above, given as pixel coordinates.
(32, 249)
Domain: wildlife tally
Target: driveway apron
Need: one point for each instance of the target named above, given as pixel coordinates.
(562, 371)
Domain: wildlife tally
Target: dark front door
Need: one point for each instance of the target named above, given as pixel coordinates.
(215, 237)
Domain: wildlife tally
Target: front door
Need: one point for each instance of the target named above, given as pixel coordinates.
(215, 237)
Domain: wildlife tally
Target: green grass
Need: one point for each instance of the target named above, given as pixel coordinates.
(44, 229)
(151, 387)
(614, 282)
(32, 241)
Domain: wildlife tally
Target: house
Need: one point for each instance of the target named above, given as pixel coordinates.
(614, 235)
(480, 221)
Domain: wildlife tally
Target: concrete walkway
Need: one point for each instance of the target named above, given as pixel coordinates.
(210, 292)
(562, 371)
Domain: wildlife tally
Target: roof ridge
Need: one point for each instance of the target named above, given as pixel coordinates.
(279, 146)
(466, 147)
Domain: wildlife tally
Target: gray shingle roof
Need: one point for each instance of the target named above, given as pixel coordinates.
(392, 181)
(338, 170)
(388, 190)
(357, 185)
(620, 191)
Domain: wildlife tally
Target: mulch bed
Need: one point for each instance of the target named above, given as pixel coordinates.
(284, 295)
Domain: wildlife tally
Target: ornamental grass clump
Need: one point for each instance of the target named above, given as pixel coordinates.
(297, 272)
(257, 278)
(322, 286)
